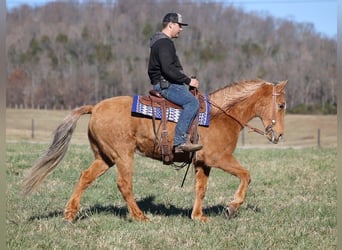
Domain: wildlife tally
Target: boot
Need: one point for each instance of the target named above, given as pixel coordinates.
(187, 147)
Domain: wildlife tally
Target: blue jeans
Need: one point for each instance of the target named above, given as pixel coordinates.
(180, 94)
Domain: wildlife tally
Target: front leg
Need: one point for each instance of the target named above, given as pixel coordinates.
(230, 165)
(201, 180)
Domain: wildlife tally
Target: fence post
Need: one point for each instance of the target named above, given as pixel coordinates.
(318, 138)
(32, 135)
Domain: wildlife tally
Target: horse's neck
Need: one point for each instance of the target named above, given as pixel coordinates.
(243, 110)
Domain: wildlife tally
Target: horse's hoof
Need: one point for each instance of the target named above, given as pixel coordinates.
(146, 219)
(229, 212)
(202, 218)
(67, 222)
(142, 218)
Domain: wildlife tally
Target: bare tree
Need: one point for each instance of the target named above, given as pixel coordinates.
(97, 50)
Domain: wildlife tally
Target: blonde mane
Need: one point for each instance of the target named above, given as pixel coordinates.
(236, 92)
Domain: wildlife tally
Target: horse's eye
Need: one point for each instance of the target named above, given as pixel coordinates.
(282, 105)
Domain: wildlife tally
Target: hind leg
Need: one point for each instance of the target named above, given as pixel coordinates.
(124, 183)
(96, 169)
(201, 180)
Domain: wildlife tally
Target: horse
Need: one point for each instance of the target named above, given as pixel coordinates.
(115, 135)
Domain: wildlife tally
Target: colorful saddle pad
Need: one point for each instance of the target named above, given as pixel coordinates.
(172, 113)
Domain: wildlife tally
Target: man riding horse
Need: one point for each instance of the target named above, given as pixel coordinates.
(167, 77)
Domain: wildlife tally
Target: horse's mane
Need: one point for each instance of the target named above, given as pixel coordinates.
(236, 92)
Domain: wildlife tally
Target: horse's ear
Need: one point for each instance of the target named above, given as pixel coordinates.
(281, 85)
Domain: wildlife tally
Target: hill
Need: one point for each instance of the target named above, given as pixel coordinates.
(65, 54)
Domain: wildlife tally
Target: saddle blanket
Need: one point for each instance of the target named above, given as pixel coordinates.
(171, 113)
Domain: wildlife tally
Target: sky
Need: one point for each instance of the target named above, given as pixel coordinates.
(321, 13)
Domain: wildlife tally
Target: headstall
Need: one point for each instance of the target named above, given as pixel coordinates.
(244, 124)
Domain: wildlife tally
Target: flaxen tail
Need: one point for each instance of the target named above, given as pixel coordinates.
(49, 160)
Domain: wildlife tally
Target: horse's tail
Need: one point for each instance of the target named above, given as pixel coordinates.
(49, 160)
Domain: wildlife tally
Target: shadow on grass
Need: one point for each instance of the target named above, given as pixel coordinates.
(147, 205)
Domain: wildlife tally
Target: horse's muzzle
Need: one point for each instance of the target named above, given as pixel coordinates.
(272, 136)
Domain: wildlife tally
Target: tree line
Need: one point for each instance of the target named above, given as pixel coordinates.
(67, 54)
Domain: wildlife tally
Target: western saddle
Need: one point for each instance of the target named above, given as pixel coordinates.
(157, 101)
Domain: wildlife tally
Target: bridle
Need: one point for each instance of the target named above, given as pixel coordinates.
(268, 129)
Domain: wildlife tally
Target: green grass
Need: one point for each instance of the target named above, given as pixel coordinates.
(290, 204)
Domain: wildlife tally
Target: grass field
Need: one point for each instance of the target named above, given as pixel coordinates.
(290, 204)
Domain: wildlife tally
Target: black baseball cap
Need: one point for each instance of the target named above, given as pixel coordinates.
(174, 18)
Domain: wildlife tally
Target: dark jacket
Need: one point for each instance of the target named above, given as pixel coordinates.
(164, 62)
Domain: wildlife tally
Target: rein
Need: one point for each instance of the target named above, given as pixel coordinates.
(244, 124)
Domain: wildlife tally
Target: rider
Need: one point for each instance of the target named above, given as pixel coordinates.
(167, 77)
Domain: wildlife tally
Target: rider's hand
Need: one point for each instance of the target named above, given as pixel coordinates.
(194, 83)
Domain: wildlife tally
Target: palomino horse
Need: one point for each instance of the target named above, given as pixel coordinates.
(115, 135)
